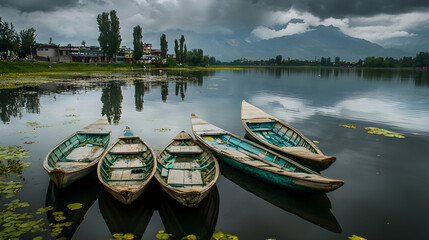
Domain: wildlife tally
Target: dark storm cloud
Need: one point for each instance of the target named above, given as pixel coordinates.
(356, 8)
(42, 5)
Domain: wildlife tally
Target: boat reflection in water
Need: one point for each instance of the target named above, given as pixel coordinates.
(121, 218)
(315, 208)
(181, 221)
(84, 191)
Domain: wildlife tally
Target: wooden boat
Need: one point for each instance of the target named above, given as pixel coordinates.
(78, 155)
(84, 191)
(121, 218)
(260, 162)
(181, 221)
(315, 208)
(127, 167)
(186, 170)
(283, 138)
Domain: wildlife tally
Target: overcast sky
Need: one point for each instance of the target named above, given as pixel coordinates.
(71, 21)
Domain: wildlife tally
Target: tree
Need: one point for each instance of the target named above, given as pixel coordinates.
(185, 54)
(104, 28)
(176, 50)
(337, 61)
(138, 44)
(28, 39)
(83, 43)
(9, 39)
(279, 59)
(50, 40)
(110, 36)
(164, 46)
(115, 35)
(182, 42)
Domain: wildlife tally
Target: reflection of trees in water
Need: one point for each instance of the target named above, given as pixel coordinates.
(111, 97)
(164, 91)
(181, 87)
(139, 86)
(13, 101)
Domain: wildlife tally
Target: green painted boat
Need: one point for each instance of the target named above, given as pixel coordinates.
(282, 138)
(127, 167)
(186, 170)
(78, 155)
(260, 162)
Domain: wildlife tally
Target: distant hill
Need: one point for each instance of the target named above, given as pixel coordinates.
(321, 41)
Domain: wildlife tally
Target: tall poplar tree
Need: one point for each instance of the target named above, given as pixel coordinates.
(182, 42)
(9, 38)
(176, 50)
(110, 36)
(185, 54)
(164, 47)
(138, 44)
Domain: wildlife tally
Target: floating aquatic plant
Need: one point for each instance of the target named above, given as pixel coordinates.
(120, 236)
(163, 235)
(417, 134)
(74, 206)
(44, 209)
(224, 236)
(380, 131)
(69, 122)
(59, 216)
(190, 237)
(10, 159)
(17, 224)
(162, 129)
(347, 126)
(354, 237)
(72, 115)
(10, 188)
(315, 141)
(30, 142)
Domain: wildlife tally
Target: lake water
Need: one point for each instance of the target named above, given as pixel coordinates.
(385, 193)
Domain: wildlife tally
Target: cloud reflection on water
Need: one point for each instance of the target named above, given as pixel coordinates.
(385, 111)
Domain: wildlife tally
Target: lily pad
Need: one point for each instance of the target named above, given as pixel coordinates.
(384, 132)
(354, 237)
(347, 126)
(190, 237)
(74, 206)
(163, 235)
(162, 129)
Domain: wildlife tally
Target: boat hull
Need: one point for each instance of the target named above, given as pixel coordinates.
(63, 179)
(279, 179)
(126, 197)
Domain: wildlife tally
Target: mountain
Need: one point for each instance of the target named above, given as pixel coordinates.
(321, 41)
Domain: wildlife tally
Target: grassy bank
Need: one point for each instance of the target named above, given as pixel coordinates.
(35, 67)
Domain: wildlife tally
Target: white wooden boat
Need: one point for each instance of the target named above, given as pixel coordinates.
(78, 155)
(127, 167)
(186, 170)
(282, 138)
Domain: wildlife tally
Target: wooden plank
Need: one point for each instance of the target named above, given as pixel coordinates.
(256, 163)
(175, 176)
(72, 165)
(83, 153)
(128, 148)
(235, 154)
(249, 111)
(259, 120)
(192, 177)
(185, 149)
(124, 163)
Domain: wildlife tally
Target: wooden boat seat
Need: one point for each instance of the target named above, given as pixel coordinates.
(259, 120)
(184, 177)
(128, 149)
(185, 149)
(71, 165)
(127, 163)
(126, 175)
(256, 163)
(85, 153)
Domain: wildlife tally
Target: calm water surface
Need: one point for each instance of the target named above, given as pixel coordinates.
(384, 196)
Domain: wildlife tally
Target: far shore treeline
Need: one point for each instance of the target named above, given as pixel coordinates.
(23, 45)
